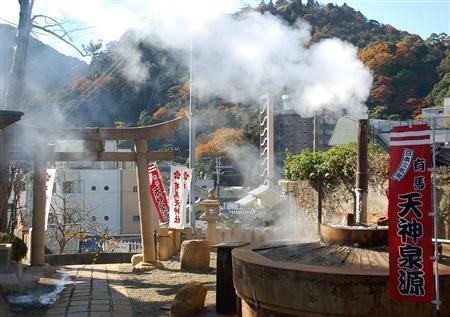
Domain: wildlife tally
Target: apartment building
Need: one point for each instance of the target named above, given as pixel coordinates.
(282, 128)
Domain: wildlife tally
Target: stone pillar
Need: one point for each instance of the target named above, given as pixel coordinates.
(361, 173)
(247, 234)
(4, 181)
(163, 251)
(188, 232)
(39, 201)
(258, 235)
(267, 234)
(199, 234)
(212, 215)
(237, 231)
(171, 242)
(146, 207)
(177, 236)
(227, 237)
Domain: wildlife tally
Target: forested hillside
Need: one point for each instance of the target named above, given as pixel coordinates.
(409, 73)
(47, 69)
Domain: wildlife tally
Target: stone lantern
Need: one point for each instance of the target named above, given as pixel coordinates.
(211, 216)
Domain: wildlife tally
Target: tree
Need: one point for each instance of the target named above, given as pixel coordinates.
(31, 24)
(67, 217)
(19, 179)
(340, 163)
(216, 143)
(17, 73)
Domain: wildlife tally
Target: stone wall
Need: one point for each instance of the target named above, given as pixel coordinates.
(87, 258)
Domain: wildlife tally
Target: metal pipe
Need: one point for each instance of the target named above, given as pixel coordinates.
(435, 215)
(361, 173)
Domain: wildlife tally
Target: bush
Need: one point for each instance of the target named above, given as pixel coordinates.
(19, 248)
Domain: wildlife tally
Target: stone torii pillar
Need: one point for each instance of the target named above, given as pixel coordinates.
(94, 136)
(39, 201)
(146, 206)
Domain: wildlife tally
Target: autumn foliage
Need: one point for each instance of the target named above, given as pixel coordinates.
(405, 72)
(216, 143)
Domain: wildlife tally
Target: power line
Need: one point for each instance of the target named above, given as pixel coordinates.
(114, 66)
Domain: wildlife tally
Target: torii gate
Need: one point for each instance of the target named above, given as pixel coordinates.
(94, 137)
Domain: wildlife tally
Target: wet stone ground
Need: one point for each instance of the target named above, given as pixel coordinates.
(114, 290)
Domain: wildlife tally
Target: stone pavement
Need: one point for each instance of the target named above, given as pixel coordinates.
(94, 291)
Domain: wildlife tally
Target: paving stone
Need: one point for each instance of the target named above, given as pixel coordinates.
(60, 303)
(78, 309)
(100, 308)
(121, 314)
(81, 297)
(100, 314)
(79, 302)
(78, 314)
(56, 311)
(96, 301)
(101, 296)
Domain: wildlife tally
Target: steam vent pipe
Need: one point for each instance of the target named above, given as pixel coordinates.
(361, 173)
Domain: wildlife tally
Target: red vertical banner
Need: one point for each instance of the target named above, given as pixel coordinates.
(158, 193)
(410, 225)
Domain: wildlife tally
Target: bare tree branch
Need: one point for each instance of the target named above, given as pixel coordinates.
(61, 38)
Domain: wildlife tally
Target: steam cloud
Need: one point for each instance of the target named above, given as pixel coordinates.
(239, 57)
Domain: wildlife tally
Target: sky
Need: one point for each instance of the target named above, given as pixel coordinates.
(108, 19)
(421, 17)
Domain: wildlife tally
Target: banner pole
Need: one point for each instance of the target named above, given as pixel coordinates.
(435, 215)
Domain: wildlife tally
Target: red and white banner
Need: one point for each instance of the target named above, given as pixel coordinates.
(49, 183)
(410, 225)
(158, 193)
(180, 184)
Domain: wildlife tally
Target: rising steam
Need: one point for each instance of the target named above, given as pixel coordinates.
(241, 56)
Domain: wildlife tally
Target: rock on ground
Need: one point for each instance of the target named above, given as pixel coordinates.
(189, 300)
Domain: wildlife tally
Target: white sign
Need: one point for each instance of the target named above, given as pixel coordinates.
(49, 183)
(180, 184)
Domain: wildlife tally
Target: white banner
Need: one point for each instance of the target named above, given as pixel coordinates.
(49, 183)
(180, 183)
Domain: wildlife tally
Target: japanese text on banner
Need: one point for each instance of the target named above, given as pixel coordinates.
(158, 193)
(410, 226)
(180, 183)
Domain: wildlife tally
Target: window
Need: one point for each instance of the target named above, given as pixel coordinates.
(68, 187)
(136, 219)
(71, 187)
(106, 188)
(93, 188)
(135, 189)
(106, 218)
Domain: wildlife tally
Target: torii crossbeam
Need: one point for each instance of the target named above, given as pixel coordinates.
(42, 154)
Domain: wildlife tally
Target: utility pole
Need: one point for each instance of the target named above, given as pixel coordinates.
(191, 144)
(220, 171)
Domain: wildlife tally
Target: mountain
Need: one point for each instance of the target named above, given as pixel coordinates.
(409, 73)
(47, 69)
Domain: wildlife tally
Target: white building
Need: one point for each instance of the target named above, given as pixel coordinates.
(97, 190)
